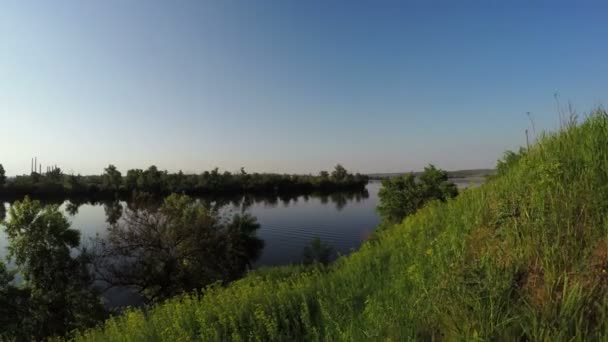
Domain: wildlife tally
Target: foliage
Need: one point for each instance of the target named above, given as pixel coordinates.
(522, 257)
(154, 181)
(2, 176)
(56, 294)
(317, 252)
(339, 173)
(404, 195)
(509, 160)
(112, 178)
(180, 247)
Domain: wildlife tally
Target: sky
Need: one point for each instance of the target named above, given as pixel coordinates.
(290, 86)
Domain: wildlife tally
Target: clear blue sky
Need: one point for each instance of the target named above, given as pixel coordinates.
(289, 86)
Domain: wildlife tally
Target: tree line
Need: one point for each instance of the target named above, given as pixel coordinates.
(159, 182)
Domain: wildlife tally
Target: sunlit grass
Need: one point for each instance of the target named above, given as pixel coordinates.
(523, 256)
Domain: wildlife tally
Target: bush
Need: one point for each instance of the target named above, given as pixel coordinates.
(404, 195)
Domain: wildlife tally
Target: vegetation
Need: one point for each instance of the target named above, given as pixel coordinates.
(2, 175)
(458, 174)
(160, 251)
(404, 195)
(179, 247)
(154, 181)
(55, 295)
(523, 257)
(317, 252)
(509, 159)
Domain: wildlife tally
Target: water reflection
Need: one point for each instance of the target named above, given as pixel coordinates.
(288, 225)
(177, 247)
(113, 211)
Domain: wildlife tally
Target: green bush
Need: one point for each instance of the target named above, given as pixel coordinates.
(404, 195)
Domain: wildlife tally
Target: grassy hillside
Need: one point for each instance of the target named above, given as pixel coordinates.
(523, 256)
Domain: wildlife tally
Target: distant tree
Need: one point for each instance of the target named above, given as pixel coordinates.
(134, 179)
(339, 173)
(112, 178)
(404, 195)
(2, 176)
(57, 295)
(160, 182)
(152, 180)
(78, 184)
(55, 174)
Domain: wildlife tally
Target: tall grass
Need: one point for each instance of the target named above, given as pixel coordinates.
(524, 256)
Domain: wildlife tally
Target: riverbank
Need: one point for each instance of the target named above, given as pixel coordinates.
(520, 257)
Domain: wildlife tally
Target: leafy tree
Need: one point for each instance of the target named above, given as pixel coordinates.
(399, 197)
(112, 178)
(75, 183)
(435, 184)
(339, 173)
(181, 247)
(404, 195)
(132, 180)
(324, 174)
(56, 296)
(2, 176)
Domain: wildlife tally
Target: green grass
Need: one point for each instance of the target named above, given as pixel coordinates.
(522, 257)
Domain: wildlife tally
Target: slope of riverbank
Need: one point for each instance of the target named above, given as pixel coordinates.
(523, 256)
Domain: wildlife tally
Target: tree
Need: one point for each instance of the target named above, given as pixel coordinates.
(75, 183)
(399, 197)
(2, 176)
(435, 184)
(178, 248)
(404, 195)
(57, 296)
(55, 174)
(112, 178)
(339, 173)
(134, 179)
(13, 307)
